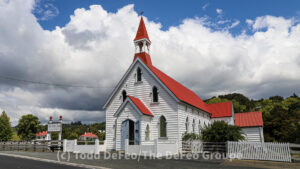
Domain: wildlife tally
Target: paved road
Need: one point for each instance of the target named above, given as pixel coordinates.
(16, 163)
(13, 163)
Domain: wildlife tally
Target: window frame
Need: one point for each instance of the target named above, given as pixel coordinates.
(139, 75)
(187, 124)
(124, 91)
(152, 95)
(147, 133)
(160, 127)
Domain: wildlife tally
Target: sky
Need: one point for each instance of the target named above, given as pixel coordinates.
(64, 57)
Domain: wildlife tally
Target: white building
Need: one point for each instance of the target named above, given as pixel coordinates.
(252, 125)
(147, 104)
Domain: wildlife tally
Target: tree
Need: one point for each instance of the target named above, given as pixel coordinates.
(6, 131)
(28, 126)
(220, 131)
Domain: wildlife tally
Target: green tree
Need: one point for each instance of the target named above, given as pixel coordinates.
(6, 131)
(220, 131)
(28, 126)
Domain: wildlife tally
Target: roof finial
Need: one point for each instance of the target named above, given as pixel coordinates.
(142, 13)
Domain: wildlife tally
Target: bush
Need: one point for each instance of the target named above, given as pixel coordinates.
(220, 131)
(190, 136)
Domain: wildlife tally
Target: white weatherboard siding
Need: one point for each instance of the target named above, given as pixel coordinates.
(167, 105)
(185, 111)
(253, 134)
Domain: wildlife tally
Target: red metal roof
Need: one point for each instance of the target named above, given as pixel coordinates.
(223, 109)
(139, 104)
(89, 135)
(43, 133)
(142, 31)
(249, 119)
(181, 92)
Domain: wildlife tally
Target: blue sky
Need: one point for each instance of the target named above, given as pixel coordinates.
(96, 48)
(171, 13)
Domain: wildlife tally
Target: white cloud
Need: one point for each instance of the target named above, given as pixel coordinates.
(45, 10)
(205, 6)
(219, 11)
(96, 47)
(249, 22)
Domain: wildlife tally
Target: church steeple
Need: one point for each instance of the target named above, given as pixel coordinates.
(141, 41)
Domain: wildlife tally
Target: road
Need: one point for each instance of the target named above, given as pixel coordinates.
(7, 162)
(16, 163)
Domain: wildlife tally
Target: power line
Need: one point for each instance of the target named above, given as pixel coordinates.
(51, 84)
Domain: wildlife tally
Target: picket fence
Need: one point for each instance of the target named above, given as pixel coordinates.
(94, 148)
(259, 151)
(152, 148)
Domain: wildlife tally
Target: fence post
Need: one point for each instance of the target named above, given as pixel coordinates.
(155, 147)
(65, 145)
(126, 146)
(97, 146)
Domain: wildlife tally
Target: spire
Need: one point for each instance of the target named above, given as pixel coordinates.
(142, 31)
(142, 44)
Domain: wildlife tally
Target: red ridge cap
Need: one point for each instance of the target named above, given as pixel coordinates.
(249, 119)
(142, 31)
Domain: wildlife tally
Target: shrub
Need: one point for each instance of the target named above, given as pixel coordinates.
(190, 136)
(220, 131)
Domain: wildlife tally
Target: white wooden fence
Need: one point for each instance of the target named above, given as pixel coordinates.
(154, 148)
(72, 146)
(259, 151)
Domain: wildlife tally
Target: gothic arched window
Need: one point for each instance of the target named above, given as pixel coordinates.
(138, 74)
(194, 125)
(162, 127)
(154, 94)
(187, 124)
(147, 133)
(115, 129)
(199, 127)
(124, 95)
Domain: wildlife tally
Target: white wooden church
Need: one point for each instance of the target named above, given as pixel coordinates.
(149, 105)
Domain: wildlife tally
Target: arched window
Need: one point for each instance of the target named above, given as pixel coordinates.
(199, 127)
(138, 75)
(187, 124)
(147, 133)
(194, 125)
(162, 127)
(115, 129)
(124, 95)
(154, 94)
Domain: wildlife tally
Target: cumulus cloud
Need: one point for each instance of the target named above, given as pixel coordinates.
(96, 47)
(219, 11)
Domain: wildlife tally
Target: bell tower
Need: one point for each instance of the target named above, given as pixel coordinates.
(141, 41)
